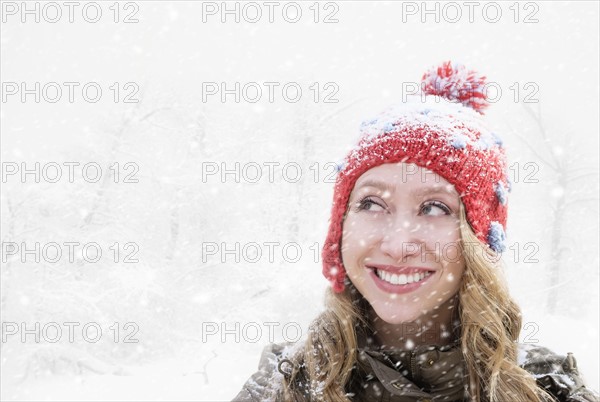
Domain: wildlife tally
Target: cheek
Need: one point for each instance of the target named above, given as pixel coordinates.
(347, 242)
(450, 281)
(367, 225)
(454, 270)
(456, 280)
(445, 234)
(359, 233)
(348, 228)
(451, 252)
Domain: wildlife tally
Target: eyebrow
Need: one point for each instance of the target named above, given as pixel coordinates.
(423, 191)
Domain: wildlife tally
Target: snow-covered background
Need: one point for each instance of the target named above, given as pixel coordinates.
(169, 320)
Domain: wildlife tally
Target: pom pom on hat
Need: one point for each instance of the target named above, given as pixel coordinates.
(497, 237)
(455, 83)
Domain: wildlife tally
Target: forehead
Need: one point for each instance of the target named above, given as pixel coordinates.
(406, 176)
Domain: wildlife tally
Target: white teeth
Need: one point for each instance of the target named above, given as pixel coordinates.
(401, 279)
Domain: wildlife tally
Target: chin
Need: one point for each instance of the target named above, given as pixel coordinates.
(395, 317)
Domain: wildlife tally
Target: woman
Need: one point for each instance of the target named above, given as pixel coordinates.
(418, 310)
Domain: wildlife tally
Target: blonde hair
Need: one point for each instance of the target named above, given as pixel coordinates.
(490, 327)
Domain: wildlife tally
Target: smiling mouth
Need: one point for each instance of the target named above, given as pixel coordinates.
(402, 279)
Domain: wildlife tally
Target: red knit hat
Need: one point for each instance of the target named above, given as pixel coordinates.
(442, 130)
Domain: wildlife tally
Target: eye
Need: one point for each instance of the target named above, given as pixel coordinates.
(366, 204)
(433, 208)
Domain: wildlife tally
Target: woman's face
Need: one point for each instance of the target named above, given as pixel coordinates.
(400, 241)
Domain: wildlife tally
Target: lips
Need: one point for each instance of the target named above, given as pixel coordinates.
(396, 272)
(406, 270)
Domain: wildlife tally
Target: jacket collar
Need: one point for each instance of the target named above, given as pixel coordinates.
(427, 372)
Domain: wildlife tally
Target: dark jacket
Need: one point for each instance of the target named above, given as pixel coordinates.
(425, 374)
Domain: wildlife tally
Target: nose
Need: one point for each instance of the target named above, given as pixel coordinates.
(402, 240)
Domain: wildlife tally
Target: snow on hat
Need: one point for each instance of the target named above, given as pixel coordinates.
(440, 129)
